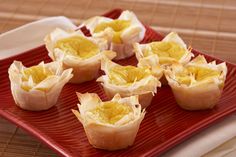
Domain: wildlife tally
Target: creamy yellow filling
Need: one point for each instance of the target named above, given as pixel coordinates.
(203, 73)
(118, 27)
(196, 73)
(167, 50)
(111, 112)
(183, 78)
(126, 75)
(38, 74)
(78, 46)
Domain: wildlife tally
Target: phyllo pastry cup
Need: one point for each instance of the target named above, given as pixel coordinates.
(38, 87)
(128, 81)
(76, 51)
(170, 50)
(109, 125)
(121, 33)
(198, 85)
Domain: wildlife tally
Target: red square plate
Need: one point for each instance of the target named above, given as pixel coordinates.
(164, 125)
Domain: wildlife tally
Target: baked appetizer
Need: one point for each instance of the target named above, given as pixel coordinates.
(129, 80)
(197, 85)
(171, 49)
(109, 125)
(121, 33)
(38, 87)
(76, 51)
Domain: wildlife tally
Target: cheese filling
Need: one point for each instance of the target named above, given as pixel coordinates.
(166, 50)
(127, 75)
(110, 112)
(118, 26)
(37, 73)
(78, 46)
(194, 74)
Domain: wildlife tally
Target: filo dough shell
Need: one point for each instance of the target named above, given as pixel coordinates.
(172, 49)
(84, 69)
(36, 96)
(133, 32)
(105, 135)
(145, 87)
(171, 43)
(196, 89)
